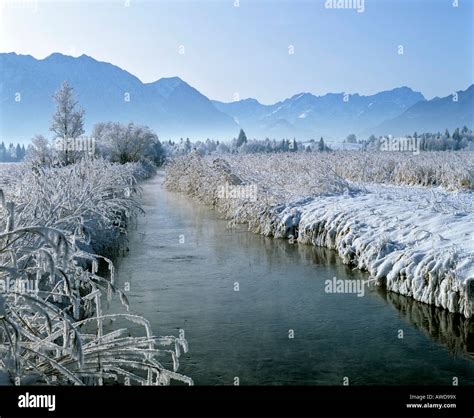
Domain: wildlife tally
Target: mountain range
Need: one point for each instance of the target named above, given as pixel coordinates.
(175, 109)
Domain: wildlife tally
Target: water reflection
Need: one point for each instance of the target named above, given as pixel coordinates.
(453, 331)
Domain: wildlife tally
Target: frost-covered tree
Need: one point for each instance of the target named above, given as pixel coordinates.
(13, 153)
(40, 152)
(351, 139)
(68, 121)
(222, 149)
(127, 143)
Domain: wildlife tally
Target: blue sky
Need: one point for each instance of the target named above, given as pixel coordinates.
(245, 49)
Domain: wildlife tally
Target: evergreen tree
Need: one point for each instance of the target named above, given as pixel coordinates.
(241, 139)
(187, 146)
(18, 154)
(321, 145)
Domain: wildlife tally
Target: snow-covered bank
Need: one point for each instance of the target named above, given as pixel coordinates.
(417, 241)
(410, 247)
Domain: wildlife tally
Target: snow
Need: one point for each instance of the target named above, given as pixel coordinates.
(299, 96)
(276, 110)
(304, 114)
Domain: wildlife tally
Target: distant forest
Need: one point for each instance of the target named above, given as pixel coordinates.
(458, 140)
(12, 153)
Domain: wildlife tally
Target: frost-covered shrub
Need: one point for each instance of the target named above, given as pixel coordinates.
(54, 223)
(288, 177)
(305, 174)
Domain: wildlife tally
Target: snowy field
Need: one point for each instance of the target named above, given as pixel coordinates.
(406, 219)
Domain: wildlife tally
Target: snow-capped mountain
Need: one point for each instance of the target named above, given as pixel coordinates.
(107, 93)
(331, 115)
(434, 115)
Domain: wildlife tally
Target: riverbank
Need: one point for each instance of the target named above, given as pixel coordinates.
(417, 241)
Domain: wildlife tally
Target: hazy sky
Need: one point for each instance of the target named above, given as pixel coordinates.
(246, 49)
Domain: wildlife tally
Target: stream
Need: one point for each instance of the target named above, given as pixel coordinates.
(256, 309)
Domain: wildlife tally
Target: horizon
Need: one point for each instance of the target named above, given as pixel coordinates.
(338, 50)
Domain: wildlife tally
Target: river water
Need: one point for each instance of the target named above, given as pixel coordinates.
(255, 308)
